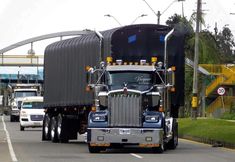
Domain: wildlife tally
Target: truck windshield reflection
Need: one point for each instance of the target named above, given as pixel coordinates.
(140, 81)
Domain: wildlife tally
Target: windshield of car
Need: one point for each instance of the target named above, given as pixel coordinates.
(32, 105)
(25, 93)
(131, 79)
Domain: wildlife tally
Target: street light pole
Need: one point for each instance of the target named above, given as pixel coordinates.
(108, 15)
(195, 67)
(159, 14)
(143, 15)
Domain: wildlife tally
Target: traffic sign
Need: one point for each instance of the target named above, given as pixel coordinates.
(221, 91)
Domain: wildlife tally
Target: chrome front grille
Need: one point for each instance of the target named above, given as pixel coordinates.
(125, 110)
(36, 117)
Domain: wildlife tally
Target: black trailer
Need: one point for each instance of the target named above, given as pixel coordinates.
(66, 101)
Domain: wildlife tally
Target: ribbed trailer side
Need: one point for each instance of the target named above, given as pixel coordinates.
(65, 75)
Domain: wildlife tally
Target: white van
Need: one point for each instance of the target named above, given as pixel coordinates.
(31, 112)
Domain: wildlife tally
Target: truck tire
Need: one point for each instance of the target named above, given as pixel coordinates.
(11, 118)
(21, 128)
(46, 136)
(172, 144)
(54, 130)
(17, 118)
(61, 131)
(94, 149)
(159, 149)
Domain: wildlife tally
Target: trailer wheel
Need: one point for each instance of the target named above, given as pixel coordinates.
(54, 129)
(172, 144)
(94, 149)
(61, 132)
(46, 128)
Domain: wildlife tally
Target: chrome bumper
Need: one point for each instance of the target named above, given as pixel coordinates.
(125, 135)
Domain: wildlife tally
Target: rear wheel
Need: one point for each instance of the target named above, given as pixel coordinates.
(61, 131)
(54, 129)
(46, 128)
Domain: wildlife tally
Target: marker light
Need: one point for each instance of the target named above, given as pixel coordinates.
(173, 68)
(88, 68)
(172, 89)
(109, 60)
(142, 62)
(119, 62)
(153, 60)
(161, 109)
(88, 88)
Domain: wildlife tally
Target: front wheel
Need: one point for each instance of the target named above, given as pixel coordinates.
(12, 118)
(172, 144)
(21, 128)
(159, 149)
(94, 149)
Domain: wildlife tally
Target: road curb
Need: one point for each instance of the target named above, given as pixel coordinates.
(212, 142)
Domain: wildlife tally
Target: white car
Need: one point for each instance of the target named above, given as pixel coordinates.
(31, 112)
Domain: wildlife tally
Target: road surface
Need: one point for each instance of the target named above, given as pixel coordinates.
(26, 146)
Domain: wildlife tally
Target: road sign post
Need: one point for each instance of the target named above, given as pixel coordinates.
(221, 91)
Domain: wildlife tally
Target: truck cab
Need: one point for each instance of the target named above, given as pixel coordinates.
(17, 93)
(130, 106)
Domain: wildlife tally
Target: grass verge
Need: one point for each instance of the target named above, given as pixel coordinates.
(208, 131)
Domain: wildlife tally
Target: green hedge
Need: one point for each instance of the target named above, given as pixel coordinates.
(210, 129)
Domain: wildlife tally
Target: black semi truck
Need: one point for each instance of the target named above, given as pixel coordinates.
(122, 86)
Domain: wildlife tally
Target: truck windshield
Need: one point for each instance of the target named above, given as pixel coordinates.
(131, 79)
(32, 105)
(25, 93)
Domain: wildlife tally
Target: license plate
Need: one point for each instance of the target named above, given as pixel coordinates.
(124, 131)
(36, 123)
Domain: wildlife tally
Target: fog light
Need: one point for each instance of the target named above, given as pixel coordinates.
(148, 139)
(100, 138)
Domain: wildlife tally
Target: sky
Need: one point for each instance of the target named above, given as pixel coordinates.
(24, 19)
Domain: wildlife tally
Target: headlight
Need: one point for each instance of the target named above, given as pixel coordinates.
(99, 117)
(103, 99)
(23, 114)
(14, 108)
(152, 119)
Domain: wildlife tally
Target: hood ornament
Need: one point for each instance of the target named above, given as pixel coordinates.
(125, 88)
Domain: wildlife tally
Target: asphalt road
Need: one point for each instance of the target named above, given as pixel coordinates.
(28, 147)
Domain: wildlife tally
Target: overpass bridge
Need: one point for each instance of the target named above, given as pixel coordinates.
(32, 59)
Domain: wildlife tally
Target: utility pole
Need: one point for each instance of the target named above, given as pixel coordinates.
(195, 72)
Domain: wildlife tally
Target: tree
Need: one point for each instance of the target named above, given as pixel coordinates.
(180, 23)
(225, 41)
(208, 52)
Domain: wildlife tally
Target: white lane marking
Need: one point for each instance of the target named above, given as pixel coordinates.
(11, 150)
(137, 156)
